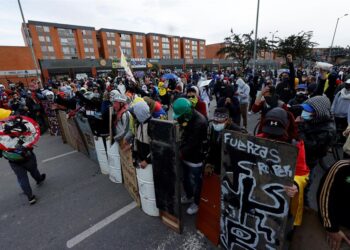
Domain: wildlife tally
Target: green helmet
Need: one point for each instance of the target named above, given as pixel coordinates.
(181, 107)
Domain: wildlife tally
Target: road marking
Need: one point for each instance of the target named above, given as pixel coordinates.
(99, 225)
(59, 156)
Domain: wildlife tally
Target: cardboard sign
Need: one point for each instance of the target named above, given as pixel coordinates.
(86, 135)
(64, 127)
(166, 171)
(254, 205)
(129, 174)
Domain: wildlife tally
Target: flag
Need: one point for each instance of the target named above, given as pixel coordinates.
(124, 64)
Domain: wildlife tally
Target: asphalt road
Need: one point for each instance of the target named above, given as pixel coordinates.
(75, 197)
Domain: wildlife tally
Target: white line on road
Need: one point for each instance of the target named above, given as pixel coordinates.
(90, 231)
(59, 156)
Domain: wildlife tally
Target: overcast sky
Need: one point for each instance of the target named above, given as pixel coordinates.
(207, 19)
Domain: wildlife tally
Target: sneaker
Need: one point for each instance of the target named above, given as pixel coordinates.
(193, 209)
(185, 200)
(32, 200)
(43, 177)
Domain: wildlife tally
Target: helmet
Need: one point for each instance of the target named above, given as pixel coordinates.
(116, 96)
(2, 87)
(181, 106)
(4, 113)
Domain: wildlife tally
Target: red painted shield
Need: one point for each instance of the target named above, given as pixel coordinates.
(22, 129)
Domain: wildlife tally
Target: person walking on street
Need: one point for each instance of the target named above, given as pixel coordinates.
(23, 160)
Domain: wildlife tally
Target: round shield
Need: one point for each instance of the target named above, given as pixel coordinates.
(18, 130)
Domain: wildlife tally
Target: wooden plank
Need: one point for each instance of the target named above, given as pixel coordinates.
(166, 171)
(60, 123)
(255, 207)
(64, 121)
(129, 174)
(208, 216)
(87, 136)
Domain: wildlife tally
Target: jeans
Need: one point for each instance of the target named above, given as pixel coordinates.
(21, 170)
(244, 112)
(192, 181)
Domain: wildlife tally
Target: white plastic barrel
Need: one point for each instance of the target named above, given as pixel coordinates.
(115, 172)
(146, 190)
(101, 155)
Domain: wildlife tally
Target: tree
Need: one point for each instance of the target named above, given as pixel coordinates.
(300, 46)
(241, 47)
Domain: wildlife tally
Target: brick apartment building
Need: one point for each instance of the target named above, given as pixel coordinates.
(62, 41)
(192, 48)
(133, 44)
(160, 46)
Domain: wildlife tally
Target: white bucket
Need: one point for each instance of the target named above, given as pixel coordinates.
(101, 155)
(146, 190)
(115, 172)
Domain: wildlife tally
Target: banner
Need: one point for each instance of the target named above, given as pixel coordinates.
(254, 205)
(137, 63)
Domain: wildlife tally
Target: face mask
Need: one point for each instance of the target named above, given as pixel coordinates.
(194, 101)
(307, 116)
(218, 127)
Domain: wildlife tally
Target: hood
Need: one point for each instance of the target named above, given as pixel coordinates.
(322, 107)
(141, 111)
(240, 83)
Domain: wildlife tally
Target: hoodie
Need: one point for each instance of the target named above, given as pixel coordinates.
(341, 104)
(318, 133)
(243, 91)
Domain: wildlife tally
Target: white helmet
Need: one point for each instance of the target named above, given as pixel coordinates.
(116, 96)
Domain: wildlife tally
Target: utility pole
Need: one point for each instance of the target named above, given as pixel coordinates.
(29, 43)
(256, 36)
(335, 31)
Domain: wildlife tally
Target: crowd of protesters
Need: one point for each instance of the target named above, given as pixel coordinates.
(309, 108)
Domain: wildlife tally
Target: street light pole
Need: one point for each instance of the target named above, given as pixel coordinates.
(335, 31)
(29, 42)
(256, 36)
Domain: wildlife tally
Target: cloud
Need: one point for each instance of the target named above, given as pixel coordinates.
(206, 19)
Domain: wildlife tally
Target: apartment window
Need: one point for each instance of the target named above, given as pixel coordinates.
(85, 41)
(52, 57)
(166, 45)
(43, 48)
(125, 44)
(155, 44)
(109, 42)
(65, 50)
(46, 57)
(41, 38)
(194, 43)
(127, 52)
(50, 48)
(156, 57)
(156, 51)
(176, 46)
(87, 32)
(92, 57)
(125, 37)
(90, 41)
(155, 38)
(65, 32)
(140, 52)
(139, 44)
(110, 34)
(165, 40)
(39, 28)
(86, 50)
(201, 42)
(91, 50)
(48, 39)
(139, 37)
(46, 29)
(64, 41)
(176, 40)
